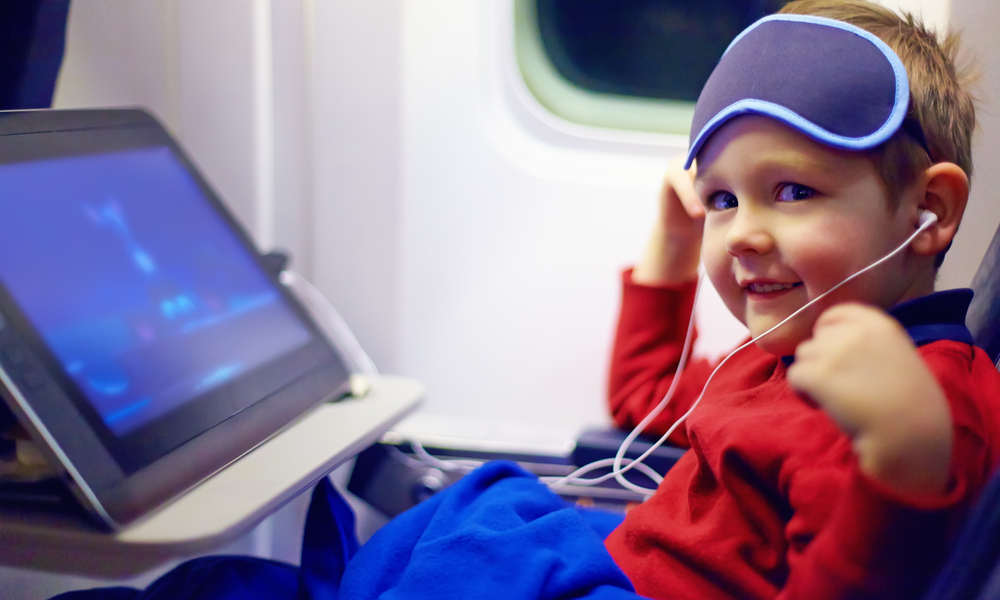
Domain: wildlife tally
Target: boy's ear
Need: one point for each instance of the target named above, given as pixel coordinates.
(945, 193)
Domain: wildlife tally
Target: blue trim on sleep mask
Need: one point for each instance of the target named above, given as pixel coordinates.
(830, 80)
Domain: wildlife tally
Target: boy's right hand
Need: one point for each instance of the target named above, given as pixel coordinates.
(674, 247)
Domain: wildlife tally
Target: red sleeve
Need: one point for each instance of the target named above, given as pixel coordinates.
(647, 348)
(881, 544)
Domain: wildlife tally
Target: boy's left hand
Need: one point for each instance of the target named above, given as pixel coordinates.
(862, 368)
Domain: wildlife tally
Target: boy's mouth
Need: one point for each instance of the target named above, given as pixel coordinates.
(763, 288)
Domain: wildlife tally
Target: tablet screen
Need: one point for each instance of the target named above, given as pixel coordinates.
(138, 287)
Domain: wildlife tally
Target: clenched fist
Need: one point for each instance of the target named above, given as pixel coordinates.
(862, 368)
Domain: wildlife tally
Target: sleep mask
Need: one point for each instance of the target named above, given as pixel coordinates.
(832, 81)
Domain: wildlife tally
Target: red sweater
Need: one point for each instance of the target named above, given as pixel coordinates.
(769, 501)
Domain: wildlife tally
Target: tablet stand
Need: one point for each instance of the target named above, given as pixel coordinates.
(221, 508)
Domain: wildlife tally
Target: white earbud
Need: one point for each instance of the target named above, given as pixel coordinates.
(926, 219)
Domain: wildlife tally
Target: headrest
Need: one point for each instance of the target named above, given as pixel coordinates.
(834, 82)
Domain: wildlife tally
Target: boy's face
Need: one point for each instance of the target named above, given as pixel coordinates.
(788, 218)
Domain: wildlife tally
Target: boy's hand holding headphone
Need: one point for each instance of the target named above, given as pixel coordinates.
(674, 247)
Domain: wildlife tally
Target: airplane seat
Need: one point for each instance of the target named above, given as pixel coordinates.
(983, 319)
(32, 40)
(972, 571)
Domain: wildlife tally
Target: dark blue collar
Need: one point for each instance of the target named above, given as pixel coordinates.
(932, 318)
(935, 317)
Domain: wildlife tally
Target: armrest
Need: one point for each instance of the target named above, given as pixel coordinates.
(390, 478)
(603, 442)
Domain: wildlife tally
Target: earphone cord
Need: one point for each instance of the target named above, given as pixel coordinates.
(621, 465)
(618, 470)
(616, 463)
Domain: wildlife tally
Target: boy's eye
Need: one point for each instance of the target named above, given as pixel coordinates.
(722, 201)
(792, 192)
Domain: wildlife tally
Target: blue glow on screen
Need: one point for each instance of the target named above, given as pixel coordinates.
(136, 283)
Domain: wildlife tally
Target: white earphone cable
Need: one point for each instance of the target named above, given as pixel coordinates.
(621, 465)
(619, 470)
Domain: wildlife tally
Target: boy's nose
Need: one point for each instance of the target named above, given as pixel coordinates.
(749, 233)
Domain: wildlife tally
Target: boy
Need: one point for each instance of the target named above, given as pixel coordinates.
(834, 457)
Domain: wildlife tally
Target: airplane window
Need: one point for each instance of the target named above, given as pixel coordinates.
(651, 56)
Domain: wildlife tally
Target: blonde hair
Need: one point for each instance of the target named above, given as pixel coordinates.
(940, 101)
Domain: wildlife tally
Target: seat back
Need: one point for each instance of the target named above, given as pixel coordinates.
(32, 39)
(983, 318)
(971, 571)
(973, 567)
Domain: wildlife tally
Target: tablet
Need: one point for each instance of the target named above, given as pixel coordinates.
(143, 341)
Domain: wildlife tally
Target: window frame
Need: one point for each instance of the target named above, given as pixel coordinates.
(577, 105)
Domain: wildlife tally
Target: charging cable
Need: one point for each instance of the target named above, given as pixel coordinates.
(453, 464)
(331, 324)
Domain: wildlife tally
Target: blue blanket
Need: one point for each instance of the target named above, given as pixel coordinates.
(497, 533)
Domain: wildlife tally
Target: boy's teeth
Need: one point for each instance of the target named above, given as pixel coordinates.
(770, 287)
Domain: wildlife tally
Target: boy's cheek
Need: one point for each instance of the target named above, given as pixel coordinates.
(784, 340)
(724, 282)
(716, 259)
